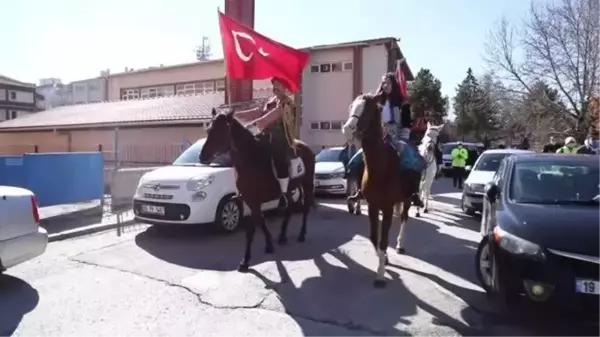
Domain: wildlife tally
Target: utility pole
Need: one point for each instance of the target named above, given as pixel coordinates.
(203, 52)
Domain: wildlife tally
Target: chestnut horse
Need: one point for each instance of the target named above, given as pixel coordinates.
(255, 178)
(382, 184)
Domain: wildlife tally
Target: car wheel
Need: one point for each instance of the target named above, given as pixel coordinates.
(229, 214)
(465, 209)
(483, 265)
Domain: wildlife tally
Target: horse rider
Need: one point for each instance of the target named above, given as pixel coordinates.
(275, 120)
(397, 121)
(570, 146)
(591, 145)
(459, 156)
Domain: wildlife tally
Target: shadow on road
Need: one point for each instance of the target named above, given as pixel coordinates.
(203, 249)
(17, 298)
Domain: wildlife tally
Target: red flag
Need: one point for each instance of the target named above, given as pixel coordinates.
(252, 56)
(401, 79)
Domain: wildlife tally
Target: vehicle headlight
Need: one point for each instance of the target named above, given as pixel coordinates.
(474, 188)
(516, 245)
(336, 175)
(198, 183)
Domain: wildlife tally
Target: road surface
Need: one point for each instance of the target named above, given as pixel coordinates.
(184, 283)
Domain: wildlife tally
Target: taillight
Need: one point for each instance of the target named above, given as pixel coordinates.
(34, 209)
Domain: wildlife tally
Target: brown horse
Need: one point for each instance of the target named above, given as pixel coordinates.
(382, 185)
(255, 178)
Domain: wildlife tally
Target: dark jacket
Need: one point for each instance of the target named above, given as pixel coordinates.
(585, 150)
(551, 148)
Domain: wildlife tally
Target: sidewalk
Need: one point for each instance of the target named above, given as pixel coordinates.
(72, 220)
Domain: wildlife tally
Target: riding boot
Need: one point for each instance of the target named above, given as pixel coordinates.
(283, 199)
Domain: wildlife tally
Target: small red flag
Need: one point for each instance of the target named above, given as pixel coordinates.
(401, 79)
(252, 56)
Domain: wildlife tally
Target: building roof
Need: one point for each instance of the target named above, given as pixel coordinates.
(12, 81)
(155, 111)
(405, 67)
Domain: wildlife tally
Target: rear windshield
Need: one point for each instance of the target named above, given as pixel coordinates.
(489, 162)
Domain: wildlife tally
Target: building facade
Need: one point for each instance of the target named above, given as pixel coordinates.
(87, 91)
(335, 75)
(18, 99)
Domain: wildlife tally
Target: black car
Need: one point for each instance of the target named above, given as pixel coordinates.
(540, 227)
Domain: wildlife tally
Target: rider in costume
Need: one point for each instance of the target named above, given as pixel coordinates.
(276, 121)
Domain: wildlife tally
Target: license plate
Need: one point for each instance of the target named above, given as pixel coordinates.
(587, 287)
(151, 209)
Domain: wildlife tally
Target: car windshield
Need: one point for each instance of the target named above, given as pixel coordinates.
(555, 183)
(489, 162)
(190, 157)
(329, 155)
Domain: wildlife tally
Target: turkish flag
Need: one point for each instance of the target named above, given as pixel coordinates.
(252, 56)
(401, 79)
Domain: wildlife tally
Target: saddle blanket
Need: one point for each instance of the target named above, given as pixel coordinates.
(409, 159)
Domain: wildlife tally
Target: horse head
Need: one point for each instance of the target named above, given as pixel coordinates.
(364, 118)
(219, 138)
(430, 138)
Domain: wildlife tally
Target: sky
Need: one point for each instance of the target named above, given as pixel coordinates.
(76, 39)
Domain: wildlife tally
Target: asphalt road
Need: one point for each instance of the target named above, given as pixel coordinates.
(184, 283)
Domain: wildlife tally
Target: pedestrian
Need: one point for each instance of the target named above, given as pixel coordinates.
(552, 146)
(459, 157)
(570, 146)
(590, 146)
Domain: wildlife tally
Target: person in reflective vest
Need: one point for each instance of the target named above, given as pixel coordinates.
(570, 146)
(459, 157)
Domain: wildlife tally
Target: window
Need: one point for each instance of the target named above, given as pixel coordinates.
(336, 66)
(348, 66)
(314, 69)
(325, 67)
(489, 162)
(13, 114)
(156, 92)
(205, 87)
(328, 155)
(220, 86)
(314, 125)
(336, 125)
(6, 115)
(325, 126)
(13, 95)
(127, 94)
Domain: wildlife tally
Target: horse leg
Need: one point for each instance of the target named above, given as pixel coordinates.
(400, 238)
(308, 200)
(374, 224)
(250, 229)
(382, 245)
(260, 219)
(282, 239)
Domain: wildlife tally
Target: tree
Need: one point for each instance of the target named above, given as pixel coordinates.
(559, 45)
(426, 95)
(475, 112)
(203, 52)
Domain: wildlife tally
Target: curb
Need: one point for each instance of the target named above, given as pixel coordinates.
(91, 229)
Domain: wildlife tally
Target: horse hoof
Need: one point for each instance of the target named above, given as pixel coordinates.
(400, 250)
(418, 215)
(425, 210)
(243, 268)
(379, 284)
(301, 238)
(269, 250)
(282, 240)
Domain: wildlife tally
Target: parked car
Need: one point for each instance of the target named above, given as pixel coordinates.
(190, 193)
(447, 151)
(541, 233)
(481, 173)
(21, 237)
(330, 172)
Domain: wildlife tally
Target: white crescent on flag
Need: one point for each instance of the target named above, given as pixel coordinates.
(238, 48)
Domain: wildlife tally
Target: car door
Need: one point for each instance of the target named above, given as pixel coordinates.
(488, 218)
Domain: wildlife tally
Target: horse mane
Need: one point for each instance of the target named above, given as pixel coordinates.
(374, 128)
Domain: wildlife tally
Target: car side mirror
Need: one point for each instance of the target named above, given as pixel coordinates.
(491, 192)
(468, 168)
